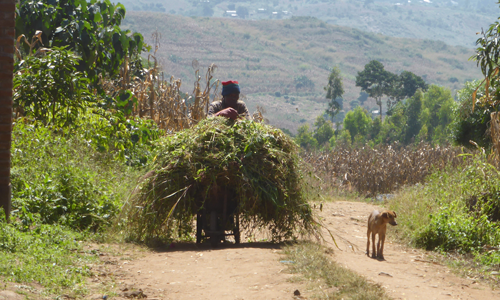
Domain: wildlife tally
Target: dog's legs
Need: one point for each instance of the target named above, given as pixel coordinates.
(374, 252)
(381, 249)
(378, 244)
(368, 243)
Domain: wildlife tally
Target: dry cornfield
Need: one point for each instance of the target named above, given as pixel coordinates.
(383, 169)
(162, 100)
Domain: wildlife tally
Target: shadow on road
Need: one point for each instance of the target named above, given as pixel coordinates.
(185, 246)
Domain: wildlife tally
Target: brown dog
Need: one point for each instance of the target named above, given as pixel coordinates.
(377, 224)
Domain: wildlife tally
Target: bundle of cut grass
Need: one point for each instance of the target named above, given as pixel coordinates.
(256, 164)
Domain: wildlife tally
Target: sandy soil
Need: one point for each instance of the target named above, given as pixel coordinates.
(254, 270)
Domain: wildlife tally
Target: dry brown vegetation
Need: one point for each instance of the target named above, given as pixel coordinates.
(161, 99)
(383, 169)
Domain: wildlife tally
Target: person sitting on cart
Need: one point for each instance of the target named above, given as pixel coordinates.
(230, 106)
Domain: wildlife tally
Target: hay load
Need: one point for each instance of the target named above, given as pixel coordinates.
(253, 165)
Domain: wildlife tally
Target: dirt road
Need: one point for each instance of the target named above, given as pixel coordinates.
(254, 270)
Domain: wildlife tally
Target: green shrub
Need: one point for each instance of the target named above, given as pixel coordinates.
(60, 178)
(129, 140)
(450, 230)
(50, 89)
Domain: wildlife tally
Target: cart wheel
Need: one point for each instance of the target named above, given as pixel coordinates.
(199, 227)
(237, 230)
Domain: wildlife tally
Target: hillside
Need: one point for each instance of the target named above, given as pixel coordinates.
(273, 57)
(453, 22)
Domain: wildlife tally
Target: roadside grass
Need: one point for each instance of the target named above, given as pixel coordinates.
(49, 255)
(312, 263)
(438, 215)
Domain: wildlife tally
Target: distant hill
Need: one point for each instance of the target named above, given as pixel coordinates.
(283, 65)
(454, 22)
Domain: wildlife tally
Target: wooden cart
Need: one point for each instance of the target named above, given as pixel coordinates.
(217, 219)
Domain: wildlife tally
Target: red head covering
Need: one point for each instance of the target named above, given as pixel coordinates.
(229, 87)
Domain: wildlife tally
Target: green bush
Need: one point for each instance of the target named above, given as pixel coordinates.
(471, 125)
(50, 89)
(60, 178)
(129, 140)
(451, 230)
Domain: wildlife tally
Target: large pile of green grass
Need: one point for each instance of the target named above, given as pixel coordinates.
(256, 164)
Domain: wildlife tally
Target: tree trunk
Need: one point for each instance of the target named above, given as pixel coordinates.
(379, 103)
(7, 33)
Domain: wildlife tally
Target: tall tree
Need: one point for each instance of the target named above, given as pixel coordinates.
(404, 86)
(334, 91)
(488, 56)
(375, 81)
(469, 125)
(413, 125)
(6, 74)
(436, 115)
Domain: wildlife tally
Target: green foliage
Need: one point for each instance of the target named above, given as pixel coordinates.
(452, 231)
(334, 91)
(488, 51)
(130, 140)
(439, 105)
(357, 122)
(413, 122)
(375, 81)
(424, 117)
(57, 176)
(469, 125)
(50, 88)
(91, 29)
(305, 138)
(324, 131)
(406, 85)
(30, 253)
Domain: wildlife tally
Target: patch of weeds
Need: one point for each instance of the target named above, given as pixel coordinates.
(50, 255)
(327, 279)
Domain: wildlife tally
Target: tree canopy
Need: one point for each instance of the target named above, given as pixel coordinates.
(375, 81)
(334, 91)
(90, 29)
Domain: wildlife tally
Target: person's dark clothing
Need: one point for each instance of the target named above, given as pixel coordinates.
(217, 106)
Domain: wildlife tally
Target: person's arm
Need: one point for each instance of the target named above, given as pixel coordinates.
(215, 111)
(211, 110)
(228, 113)
(243, 111)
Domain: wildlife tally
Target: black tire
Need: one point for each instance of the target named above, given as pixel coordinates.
(199, 227)
(237, 230)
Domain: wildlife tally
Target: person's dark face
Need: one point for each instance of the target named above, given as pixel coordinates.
(231, 99)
